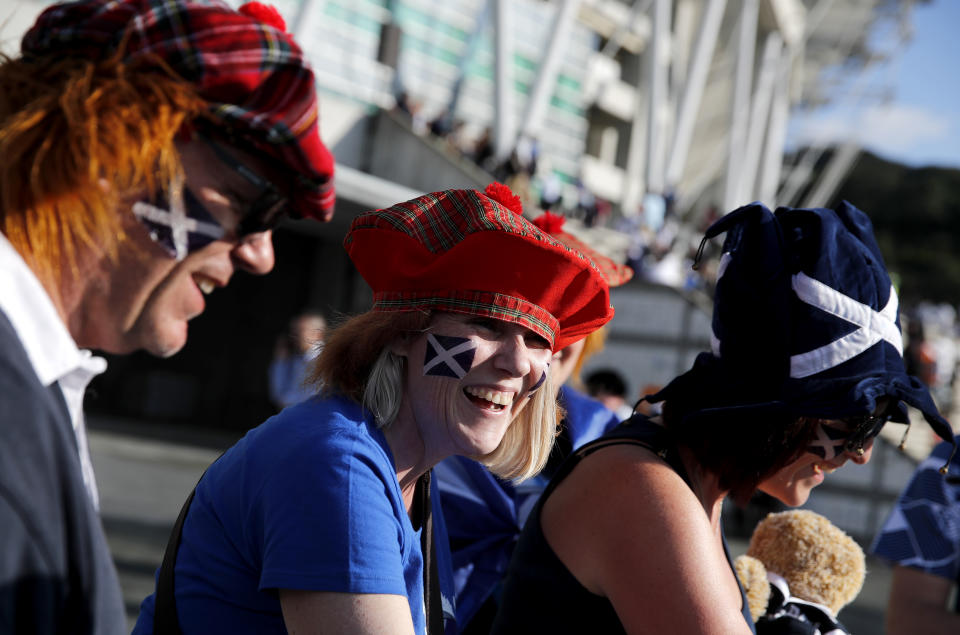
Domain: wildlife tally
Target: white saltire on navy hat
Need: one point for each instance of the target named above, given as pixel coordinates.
(805, 319)
(874, 326)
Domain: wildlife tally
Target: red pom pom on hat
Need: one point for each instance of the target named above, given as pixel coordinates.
(550, 222)
(266, 13)
(503, 195)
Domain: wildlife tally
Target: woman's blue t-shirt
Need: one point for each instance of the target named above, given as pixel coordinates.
(308, 500)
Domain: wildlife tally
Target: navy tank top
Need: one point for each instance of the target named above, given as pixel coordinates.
(540, 595)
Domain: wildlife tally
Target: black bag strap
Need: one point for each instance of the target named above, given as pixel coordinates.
(432, 598)
(165, 621)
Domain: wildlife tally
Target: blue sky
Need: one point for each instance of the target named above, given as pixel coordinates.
(920, 125)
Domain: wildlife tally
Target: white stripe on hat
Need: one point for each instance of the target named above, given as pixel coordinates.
(874, 326)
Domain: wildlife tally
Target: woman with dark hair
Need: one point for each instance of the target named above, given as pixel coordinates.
(322, 518)
(806, 367)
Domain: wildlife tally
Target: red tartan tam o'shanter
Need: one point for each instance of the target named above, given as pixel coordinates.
(243, 63)
(464, 251)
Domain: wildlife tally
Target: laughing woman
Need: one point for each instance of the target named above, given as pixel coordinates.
(320, 519)
(806, 368)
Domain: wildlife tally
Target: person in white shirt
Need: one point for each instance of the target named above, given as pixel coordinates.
(141, 164)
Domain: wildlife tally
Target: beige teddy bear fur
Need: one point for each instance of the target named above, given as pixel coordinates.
(819, 561)
(753, 577)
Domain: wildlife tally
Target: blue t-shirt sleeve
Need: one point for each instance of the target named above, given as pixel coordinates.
(330, 518)
(923, 530)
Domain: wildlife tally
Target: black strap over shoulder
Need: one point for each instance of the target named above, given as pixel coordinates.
(432, 598)
(586, 450)
(165, 621)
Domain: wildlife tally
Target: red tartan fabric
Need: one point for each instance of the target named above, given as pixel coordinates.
(253, 75)
(463, 252)
(615, 273)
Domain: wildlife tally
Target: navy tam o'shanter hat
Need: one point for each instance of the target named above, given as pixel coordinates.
(805, 321)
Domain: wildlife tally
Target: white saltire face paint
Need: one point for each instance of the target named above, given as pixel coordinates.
(448, 356)
(830, 441)
(847, 435)
(181, 225)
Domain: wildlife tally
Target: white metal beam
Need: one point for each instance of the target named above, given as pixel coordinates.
(840, 164)
(776, 133)
(547, 71)
(634, 182)
(658, 61)
(693, 93)
(504, 134)
(799, 176)
(740, 107)
(759, 115)
(789, 17)
(615, 40)
(687, 15)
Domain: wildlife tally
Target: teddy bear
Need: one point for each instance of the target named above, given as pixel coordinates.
(798, 572)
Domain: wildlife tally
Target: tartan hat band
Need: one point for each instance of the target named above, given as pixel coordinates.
(470, 252)
(252, 74)
(480, 303)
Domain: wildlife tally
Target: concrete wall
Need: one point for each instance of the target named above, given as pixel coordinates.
(385, 145)
(655, 335)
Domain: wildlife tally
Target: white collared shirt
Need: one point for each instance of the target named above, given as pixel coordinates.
(52, 352)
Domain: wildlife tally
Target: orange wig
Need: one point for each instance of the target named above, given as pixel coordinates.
(78, 137)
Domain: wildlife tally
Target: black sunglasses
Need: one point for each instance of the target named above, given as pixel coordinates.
(267, 209)
(865, 427)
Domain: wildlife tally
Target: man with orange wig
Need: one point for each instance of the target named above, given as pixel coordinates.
(147, 147)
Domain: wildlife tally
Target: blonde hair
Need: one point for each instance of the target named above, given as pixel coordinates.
(65, 124)
(384, 390)
(526, 446)
(357, 361)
